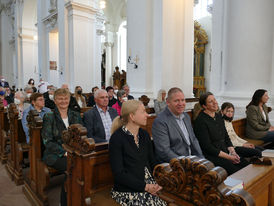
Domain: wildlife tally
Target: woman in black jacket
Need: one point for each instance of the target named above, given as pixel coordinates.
(132, 158)
(215, 143)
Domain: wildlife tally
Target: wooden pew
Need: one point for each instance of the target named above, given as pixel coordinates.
(239, 126)
(186, 180)
(36, 183)
(259, 182)
(88, 168)
(18, 146)
(4, 132)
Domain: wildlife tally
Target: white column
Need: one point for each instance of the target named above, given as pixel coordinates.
(108, 46)
(82, 44)
(162, 38)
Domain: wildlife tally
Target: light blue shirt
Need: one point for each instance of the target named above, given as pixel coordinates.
(24, 121)
(180, 120)
(107, 122)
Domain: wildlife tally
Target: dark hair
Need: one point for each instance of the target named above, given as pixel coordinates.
(257, 97)
(109, 88)
(227, 105)
(30, 80)
(93, 88)
(35, 96)
(172, 91)
(204, 97)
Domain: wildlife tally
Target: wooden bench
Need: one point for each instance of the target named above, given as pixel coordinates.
(18, 146)
(259, 182)
(37, 181)
(4, 132)
(186, 180)
(239, 126)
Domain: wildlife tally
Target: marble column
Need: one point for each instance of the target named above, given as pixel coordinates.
(81, 33)
(108, 46)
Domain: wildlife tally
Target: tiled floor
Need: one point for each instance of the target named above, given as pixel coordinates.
(12, 195)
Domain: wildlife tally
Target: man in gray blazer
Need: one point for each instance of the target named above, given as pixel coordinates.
(172, 132)
(98, 120)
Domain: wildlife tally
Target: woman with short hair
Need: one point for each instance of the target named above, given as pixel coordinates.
(54, 123)
(121, 98)
(132, 159)
(257, 120)
(215, 143)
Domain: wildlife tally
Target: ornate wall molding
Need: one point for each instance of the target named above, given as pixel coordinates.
(53, 6)
(51, 20)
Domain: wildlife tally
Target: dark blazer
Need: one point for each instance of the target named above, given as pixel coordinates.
(91, 101)
(212, 134)
(256, 126)
(53, 127)
(48, 102)
(94, 124)
(128, 161)
(4, 84)
(169, 139)
(129, 97)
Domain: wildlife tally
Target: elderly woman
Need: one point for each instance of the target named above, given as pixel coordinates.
(121, 97)
(80, 98)
(54, 123)
(215, 143)
(132, 158)
(258, 125)
(160, 102)
(19, 99)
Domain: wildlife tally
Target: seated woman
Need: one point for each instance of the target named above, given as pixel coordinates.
(80, 98)
(132, 159)
(242, 147)
(160, 102)
(54, 123)
(121, 97)
(2, 96)
(258, 125)
(210, 130)
(19, 98)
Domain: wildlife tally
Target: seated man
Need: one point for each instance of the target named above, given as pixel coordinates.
(126, 89)
(98, 120)
(37, 103)
(91, 101)
(49, 101)
(112, 99)
(172, 131)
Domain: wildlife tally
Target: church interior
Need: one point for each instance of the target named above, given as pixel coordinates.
(225, 47)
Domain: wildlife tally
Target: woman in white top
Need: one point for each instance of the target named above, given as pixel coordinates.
(242, 147)
(160, 102)
(19, 99)
(80, 98)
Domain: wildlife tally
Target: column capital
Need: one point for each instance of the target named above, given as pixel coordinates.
(108, 44)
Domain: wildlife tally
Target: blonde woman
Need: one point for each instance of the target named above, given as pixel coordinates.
(160, 102)
(80, 97)
(132, 159)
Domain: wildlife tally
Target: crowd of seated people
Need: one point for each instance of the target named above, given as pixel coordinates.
(132, 156)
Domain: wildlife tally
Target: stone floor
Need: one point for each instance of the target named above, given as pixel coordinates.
(12, 195)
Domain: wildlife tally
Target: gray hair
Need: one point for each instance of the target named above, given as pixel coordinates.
(21, 94)
(120, 93)
(98, 91)
(27, 87)
(125, 85)
(159, 97)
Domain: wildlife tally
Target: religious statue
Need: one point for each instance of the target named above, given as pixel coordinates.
(116, 77)
(123, 78)
(200, 40)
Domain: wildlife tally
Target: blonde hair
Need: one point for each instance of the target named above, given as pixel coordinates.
(61, 91)
(128, 107)
(159, 97)
(79, 96)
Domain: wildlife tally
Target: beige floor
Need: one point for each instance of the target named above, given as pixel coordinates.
(12, 195)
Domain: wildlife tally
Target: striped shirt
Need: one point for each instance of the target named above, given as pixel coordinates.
(107, 122)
